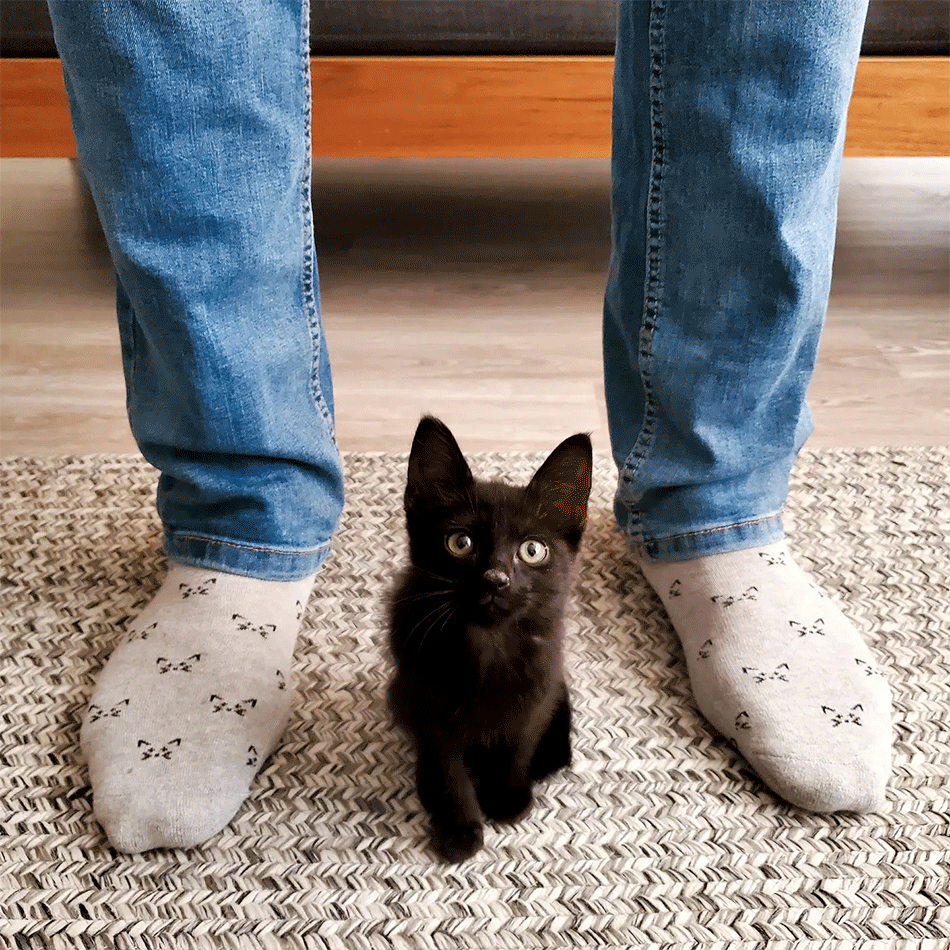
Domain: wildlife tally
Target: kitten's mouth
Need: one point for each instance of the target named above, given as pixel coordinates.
(493, 597)
(495, 605)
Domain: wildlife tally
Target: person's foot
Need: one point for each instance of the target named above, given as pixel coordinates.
(190, 705)
(776, 667)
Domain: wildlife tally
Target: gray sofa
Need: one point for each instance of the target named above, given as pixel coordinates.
(495, 27)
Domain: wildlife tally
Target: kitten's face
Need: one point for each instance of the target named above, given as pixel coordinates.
(501, 561)
(498, 552)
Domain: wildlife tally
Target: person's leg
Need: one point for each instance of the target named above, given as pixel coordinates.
(729, 122)
(193, 133)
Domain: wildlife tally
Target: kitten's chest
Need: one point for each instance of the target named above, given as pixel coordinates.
(504, 697)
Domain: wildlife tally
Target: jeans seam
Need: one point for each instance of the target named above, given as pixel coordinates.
(726, 527)
(309, 296)
(653, 275)
(240, 546)
(134, 343)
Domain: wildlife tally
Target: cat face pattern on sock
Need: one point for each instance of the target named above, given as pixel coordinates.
(849, 716)
(219, 704)
(97, 712)
(142, 634)
(165, 751)
(263, 630)
(727, 600)
(188, 664)
(155, 684)
(776, 667)
(197, 590)
(166, 665)
(760, 676)
(869, 668)
(782, 672)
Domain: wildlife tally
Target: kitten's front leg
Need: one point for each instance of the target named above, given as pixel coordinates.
(554, 748)
(504, 787)
(448, 795)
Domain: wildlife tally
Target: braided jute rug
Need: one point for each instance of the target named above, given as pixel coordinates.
(659, 836)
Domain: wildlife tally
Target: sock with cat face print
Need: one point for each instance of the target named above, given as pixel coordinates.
(190, 705)
(776, 667)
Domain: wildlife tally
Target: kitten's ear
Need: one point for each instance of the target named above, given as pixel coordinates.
(561, 487)
(439, 476)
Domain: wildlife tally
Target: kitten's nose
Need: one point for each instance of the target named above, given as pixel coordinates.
(497, 579)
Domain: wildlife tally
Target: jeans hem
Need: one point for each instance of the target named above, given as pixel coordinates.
(718, 540)
(245, 558)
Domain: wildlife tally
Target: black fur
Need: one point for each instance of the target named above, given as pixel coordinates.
(479, 681)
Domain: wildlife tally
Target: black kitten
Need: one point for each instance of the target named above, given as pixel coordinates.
(476, 631)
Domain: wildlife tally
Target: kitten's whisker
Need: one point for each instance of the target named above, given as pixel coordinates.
(434, 613)
(438, 577)
(445, 621)
(411, 597)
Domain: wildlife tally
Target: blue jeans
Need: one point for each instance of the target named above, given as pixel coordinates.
(728, 129)
(192, 122)
(193, 133)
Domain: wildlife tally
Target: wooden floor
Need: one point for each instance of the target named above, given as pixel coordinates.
(472, 289)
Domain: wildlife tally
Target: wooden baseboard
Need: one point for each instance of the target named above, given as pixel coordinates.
(492, 106)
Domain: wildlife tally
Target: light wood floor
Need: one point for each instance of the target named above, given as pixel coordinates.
(473, 290)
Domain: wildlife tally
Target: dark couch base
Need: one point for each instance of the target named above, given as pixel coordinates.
(496, 28)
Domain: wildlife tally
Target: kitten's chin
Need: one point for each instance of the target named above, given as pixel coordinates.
(489, 615)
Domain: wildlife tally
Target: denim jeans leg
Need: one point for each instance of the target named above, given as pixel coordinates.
(728, 130)
(192, 122)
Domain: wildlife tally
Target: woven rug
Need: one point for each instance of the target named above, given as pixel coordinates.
(660, 836)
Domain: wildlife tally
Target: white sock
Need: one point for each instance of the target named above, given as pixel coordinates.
(776, 667)
(190, 705)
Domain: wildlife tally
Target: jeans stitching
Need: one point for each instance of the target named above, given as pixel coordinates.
(653, 276)
(726, 527)
(309, 297)
(305, 552)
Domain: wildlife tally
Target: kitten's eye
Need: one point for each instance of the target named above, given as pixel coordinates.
(459, 544)
(533, 552)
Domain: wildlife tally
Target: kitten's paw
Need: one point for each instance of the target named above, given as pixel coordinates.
(505, 803)
(551, 756)
(455, 843)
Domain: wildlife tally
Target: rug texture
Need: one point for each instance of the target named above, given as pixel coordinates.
(659, 836)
